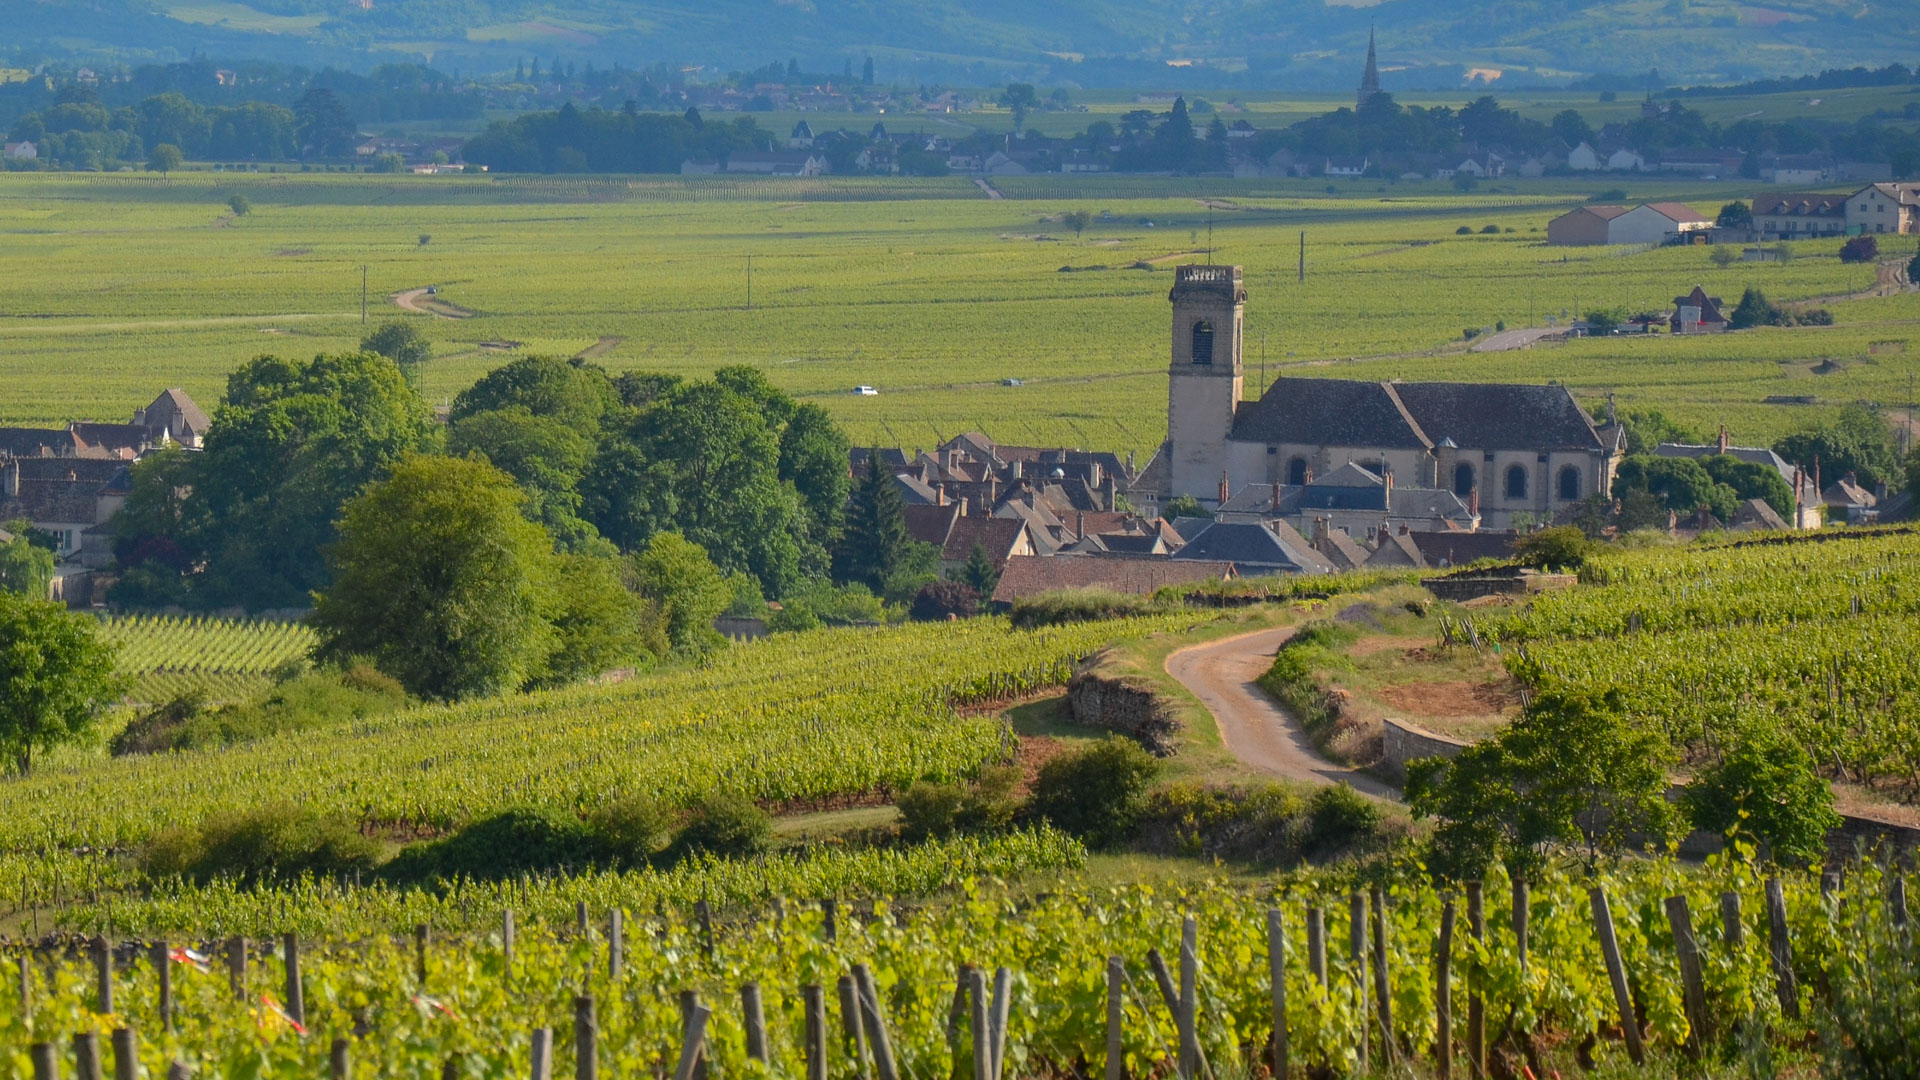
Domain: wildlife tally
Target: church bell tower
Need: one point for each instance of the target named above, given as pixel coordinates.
(1204, 378)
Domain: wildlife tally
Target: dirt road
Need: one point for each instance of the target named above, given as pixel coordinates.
(1258, 732)
(1513, 339)
(425, 303)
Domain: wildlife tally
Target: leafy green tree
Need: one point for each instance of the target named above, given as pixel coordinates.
(1860, 249)
(599, 625)
(1766, 789)
(1722, 256)
(1099, 793)
(690, 592)
(573, 392)
(26, 569)
(1683, 485)
(544, 455)
(1859, 440)
(441, 582)
(1183, 506)
(166, 158)
(1754, 310)
(325, 128)
(1649, 428)
(1751, 480)
(1022, 98)
(56, 677)
(240, 205)
(1077, 220)
(1573, 769)
(813, 458)
(401, 342)
(1561, 548)
(1735, 215)
(292, 442)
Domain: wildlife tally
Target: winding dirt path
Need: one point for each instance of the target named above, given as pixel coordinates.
(424, 303)
(1254, 727)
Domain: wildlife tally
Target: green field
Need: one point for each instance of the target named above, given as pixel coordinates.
(120, 285)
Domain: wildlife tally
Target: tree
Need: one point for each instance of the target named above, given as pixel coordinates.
(1561, 548)
(1751, 480)
(688, 590)
(325, 129)
(599, 624)
(1858, 441)
(875, 541)
(240, 205)
(1077, 220)
(1860, 249)
(1571, 769)
(1753, 310)
(1722, 256)
(978, 572)
(26, 568)
(1099, 793)
(441, 582)
(1735, 215)
(866, 72)
(1021, 98)
(166, 158)
(56, 677)
(1647, 429)
(573, 392)
(813, 458)
(544, 455)
(1683, 485)
(400, 342)
(1766, 789)
(1183, 506)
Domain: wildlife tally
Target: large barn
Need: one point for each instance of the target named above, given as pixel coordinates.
(1519, 453)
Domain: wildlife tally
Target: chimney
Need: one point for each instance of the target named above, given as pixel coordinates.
(1320, 530)
(1080, 524)
(1388, 475)
(1403, 528)
(1818, 490)
(1276, 499)
(1307, 476)
(13, 479)
(1223, 485)
(965, 509)
(1725, 441)
(940, 493)
(1473, 501)
(1019, 469)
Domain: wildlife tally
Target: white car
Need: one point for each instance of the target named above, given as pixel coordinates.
(865, 391)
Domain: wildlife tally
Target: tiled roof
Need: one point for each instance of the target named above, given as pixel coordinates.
(1674, 211)
(998, 536)
(1460, 548)
(1031, 575)
(1803, 204)
(1327, 412)
(34, 442)
(931, 524)
(175, 400)
(1253, 547)
(1756, 515)
(1500, 416)
(1396, 549)
(1343, 551)
(1755, 455)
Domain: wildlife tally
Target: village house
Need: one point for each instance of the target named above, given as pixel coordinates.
(1697, 313)
(1648, 223)
(1876, 209)
(1031, 575)
(1353, 500)
(776, 162)
(1806, 492)
(23, 150)
(1522, 451)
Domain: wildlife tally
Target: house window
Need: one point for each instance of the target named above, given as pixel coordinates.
(1463, 480)
(1516, 481)
(1203, 342)
(1297, 471)
(1569, 483)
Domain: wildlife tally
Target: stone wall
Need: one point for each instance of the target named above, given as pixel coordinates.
(1401, 742)
(1121, 704)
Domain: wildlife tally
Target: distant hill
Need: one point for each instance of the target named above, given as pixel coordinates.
(1306, 44)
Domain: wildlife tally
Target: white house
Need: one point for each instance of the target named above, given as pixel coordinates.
(1583, 158)
(21, 151)
(1625, 160)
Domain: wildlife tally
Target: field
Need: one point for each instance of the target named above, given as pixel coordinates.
(1814, 635)
(227, 659)
(121, 285)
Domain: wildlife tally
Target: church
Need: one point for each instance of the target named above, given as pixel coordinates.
(1516, 454)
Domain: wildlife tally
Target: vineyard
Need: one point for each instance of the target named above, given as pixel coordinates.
(1709, 962)
(1816, 635)
(227, 659)
(924, 289)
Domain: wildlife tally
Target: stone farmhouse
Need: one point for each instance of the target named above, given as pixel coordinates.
(1648, 223)
(1513, 453)
(70, 481)
(1873, 209)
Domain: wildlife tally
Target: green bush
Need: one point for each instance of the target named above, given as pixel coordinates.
(931, 811)
(928, 810)
(520, 840)
(1079, 605)
(308, 700)
(1563, 547)
(1338, 818)
(631, 829)
(725, 823)
(1765, 789)
(270, 843)
(1098, 794)
(1263, 823)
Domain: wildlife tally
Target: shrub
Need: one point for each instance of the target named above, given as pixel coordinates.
(1870, 1020)
(725, 823)
(1261, 823)
(1339, 817)
(1765, 789)
(156, 730)
(937, 600)
(1860, 249)
(522, 839)
(1098, 793)
(1079, 605)
(264, 844)
(631, 829)
(928, 810)
(1563, 547)
(1490, 230)
(1464, 230)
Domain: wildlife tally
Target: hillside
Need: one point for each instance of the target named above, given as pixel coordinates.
(1294, 43)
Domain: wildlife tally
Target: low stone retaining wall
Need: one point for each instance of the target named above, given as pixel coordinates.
(1461, 589)
(1402, 742)
(1120, 704)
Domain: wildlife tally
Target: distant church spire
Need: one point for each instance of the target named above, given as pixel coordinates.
(1370, 80)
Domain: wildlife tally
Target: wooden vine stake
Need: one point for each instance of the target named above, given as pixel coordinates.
(875, 1023)
(46, 1062)
(755, 1020)
(1692, 978)
(1277, 989)
(1522, 912)
(126, 1055)
(1116, 1016)
(850, 1032)
(102, 975)
(1357, 952)
(693, 1042)
(1732, 929)
(982, 1028)
(86, 1056)
(541, 1065)
(296, 995)
(237, 966)
(1382, 987)
(1616, 973)
(586, 1039)
(815, 1002)
(340, 1059)
(1443, 993)
(1184, 1016)
(506, 948)
(1317, 945)
(163, 975)
(1002, 1005)
(1476, 1001)
(1781, 948)
(616, 945)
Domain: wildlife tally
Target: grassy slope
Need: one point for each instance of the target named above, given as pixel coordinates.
(122, 285)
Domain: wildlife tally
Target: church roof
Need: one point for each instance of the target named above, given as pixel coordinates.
(1397, 415)
(1327, 412)
(1350, 475)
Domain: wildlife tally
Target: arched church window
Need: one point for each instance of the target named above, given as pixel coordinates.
(1463, 480)
(1516, 481)
(1297, 471)
(1203, 342)
(1569, 483)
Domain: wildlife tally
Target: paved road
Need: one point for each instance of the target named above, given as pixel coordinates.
(1513, 339)
(1258, 732)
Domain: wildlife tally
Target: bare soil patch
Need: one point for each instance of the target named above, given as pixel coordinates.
(1450, 698)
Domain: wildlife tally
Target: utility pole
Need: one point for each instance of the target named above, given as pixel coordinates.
(749, 282)
(1303, 256)
(363, 294)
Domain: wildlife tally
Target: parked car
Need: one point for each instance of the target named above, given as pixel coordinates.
(1013, 382)
(866, 391)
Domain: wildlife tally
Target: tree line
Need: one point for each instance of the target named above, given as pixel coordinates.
(572, 139)
(79, 131)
